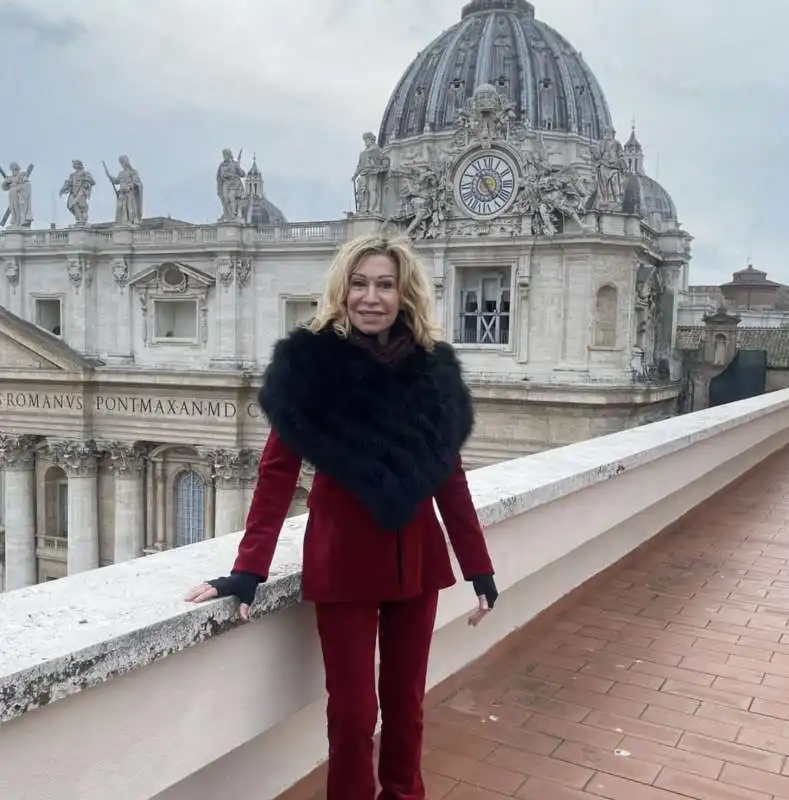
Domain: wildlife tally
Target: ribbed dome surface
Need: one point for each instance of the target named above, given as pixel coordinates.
(645, 196)
(501, 43)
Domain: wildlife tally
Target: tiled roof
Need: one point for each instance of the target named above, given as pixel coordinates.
(775, 341)
(591, 700)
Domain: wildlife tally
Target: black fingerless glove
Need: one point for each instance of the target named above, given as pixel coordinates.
(485, 586)
(242, 585)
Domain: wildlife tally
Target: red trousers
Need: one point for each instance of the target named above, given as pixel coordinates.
(348, 634)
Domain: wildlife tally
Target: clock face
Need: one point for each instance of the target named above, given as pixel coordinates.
(486, 185)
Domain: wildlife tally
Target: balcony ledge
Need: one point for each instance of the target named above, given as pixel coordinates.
(65, 636)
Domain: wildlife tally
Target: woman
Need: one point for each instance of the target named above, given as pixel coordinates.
(370, 397)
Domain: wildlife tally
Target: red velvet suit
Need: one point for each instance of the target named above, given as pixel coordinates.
(385, 441)
(348, 557)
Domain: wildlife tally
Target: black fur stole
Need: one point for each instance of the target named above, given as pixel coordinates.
(389, 433)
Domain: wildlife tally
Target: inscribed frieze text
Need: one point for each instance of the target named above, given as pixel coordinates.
(124, 405)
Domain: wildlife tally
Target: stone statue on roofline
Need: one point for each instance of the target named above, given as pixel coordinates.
(16, 182)
(128, 188)
(367, 179)
(230, 187)
(77, 189)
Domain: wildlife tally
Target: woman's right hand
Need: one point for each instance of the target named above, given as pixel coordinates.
(242, 585)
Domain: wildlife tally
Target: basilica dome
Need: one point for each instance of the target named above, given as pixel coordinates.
(497, 42)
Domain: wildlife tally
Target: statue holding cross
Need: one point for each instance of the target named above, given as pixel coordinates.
(19, 213)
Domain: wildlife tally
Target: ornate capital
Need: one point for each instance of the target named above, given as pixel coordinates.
(243, 270)
(11, 268)
(79, 269)
(120, 271)
(17, 451)
(224, 271)
(236, 269)
(232, 469)
(77, 459)
(125, 460)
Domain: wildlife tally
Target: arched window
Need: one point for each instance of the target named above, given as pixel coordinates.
(605, 317)
(189, 506)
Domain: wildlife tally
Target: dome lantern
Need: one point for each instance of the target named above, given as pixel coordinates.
(479, 6)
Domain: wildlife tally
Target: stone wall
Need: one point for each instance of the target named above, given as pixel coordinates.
(103, 653)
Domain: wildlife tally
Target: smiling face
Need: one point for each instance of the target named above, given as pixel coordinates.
(373, 295)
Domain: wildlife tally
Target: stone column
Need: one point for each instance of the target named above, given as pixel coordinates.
(232, 470)
(17, 458)
(160, 542)
(127, 463)
(79, 460)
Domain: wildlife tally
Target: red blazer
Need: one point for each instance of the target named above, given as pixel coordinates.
(348, 557)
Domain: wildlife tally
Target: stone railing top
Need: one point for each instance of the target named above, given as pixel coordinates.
(67, 635)
(186, 236)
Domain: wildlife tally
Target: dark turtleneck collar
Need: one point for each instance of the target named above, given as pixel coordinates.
(398, 345)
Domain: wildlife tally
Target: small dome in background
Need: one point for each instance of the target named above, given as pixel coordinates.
(644, 195)
(261, 210)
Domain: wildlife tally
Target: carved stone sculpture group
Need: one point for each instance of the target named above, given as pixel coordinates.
(419, 195)
(236, 198)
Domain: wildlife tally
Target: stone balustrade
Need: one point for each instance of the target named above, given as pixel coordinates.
(134, 694)
(191, 236)
(183, 236)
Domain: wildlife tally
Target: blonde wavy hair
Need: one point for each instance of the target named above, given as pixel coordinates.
(414, 286)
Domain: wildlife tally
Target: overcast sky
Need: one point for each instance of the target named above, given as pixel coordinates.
(172, 82)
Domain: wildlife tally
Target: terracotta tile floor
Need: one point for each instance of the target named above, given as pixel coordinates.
(666, 677)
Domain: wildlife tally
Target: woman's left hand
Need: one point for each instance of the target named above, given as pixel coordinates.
(487, 594)
(479, 613)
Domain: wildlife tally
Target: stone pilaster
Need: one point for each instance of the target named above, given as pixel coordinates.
(233, 470)
(160, 540)
(439, 283)
(79, 460)
(127, 463)
(519, 326)
(17, 459)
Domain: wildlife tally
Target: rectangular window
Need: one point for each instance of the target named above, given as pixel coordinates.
(483, 306)
(49, 314)
(299, 312)
(175, 320)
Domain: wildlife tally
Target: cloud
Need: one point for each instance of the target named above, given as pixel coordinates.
(59, 32)
(172, 82)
